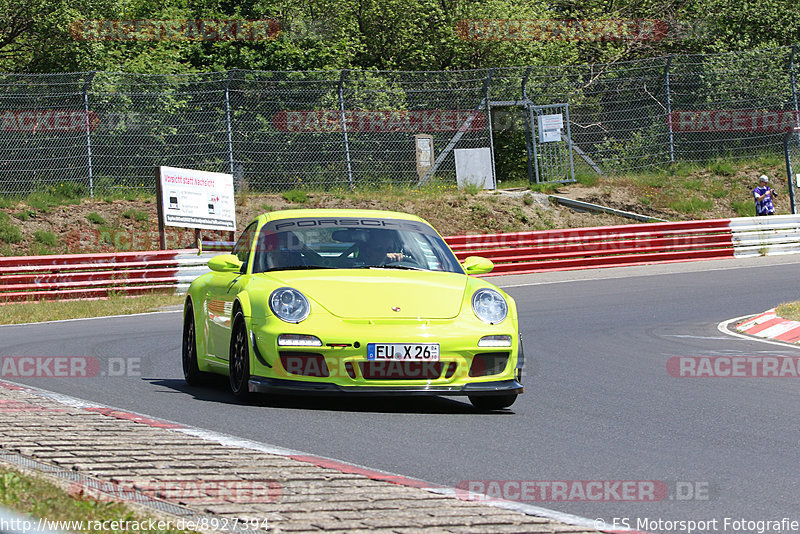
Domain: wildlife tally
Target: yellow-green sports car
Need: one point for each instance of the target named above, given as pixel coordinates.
(352, 302)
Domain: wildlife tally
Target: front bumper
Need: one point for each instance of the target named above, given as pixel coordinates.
(259, 384)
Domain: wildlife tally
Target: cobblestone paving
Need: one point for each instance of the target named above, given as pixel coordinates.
(286, 494)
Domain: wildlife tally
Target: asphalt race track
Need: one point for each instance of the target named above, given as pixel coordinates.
(599, 402)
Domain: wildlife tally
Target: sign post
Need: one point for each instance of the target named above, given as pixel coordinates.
(189, 198)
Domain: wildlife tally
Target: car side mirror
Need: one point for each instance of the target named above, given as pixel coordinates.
(225, 263)
(477, 265)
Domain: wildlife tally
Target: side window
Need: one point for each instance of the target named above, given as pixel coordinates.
(242, 247)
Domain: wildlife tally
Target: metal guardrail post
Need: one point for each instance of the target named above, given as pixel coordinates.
(669, 110)
(344, 129)
(87, 127)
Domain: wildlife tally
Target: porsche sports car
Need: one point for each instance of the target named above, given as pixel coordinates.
(351, 302)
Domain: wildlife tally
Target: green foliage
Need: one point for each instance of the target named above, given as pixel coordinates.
(722, 167)
(589, 179)
(45, 238)
(136, 215)
(472, 189)
(520, 215)
(527, 199)
(24, 215)
(95, 218)
(295, 196)
(267, 207)
(719, 191)
(544, 187)
(744, 208)
(480, 210)
(9, 232)
(692, 205)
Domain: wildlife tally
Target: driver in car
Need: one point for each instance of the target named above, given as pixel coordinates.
(381, 247)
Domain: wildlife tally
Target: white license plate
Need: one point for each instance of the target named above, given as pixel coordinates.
(426, 352)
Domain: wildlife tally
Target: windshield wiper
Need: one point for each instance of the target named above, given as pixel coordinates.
(401, 267)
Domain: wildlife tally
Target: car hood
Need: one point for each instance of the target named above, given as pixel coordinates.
(380, 293)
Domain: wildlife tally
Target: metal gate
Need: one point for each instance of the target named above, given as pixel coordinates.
(547, 139)
(791, 149)
(552, 143)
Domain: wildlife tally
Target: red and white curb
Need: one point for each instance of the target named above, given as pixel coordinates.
(319, 461)
(768, 325)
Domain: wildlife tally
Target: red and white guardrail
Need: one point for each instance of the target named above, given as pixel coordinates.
(85, 276)
(98, 275)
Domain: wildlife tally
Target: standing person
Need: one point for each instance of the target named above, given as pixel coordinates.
(763, 195)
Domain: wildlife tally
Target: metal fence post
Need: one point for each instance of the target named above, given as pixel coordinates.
(528, 133)
(489, 122)
(228, 118)
(669, 110)
(344, 129)
(792, 165)
(88, 130)
(792, 56)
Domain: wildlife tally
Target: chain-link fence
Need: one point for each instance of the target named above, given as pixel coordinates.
(348, 129)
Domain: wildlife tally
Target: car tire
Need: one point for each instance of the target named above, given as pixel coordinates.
(239, 360)
(191, 371)
(492, 402)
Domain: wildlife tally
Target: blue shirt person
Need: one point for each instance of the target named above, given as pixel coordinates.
(763, 196)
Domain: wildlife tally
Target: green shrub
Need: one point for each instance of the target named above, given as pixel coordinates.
(9, 232)
(722, 167)
(744, 208)
(296, 196)
(95, 218)
(471, 188)
(546, 188)
(691, 205)
(136, 215)
(527, 199)
(24, 215)
(45, 238)
(587, 179)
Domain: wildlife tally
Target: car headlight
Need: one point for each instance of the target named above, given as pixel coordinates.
(489, 306)
(289, 305)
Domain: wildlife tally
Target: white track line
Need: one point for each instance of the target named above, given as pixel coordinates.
(242, 443)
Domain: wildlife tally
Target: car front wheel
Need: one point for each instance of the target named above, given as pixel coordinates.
(191, 371)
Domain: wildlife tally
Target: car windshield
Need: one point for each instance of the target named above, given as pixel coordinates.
(343, 243)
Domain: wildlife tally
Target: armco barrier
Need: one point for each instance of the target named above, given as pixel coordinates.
(96, 275)
(77, 276)
(603, 246)
(759, 236)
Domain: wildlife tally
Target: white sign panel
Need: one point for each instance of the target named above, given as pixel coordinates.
(197, 199)
(474, 166)
(550, 127)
